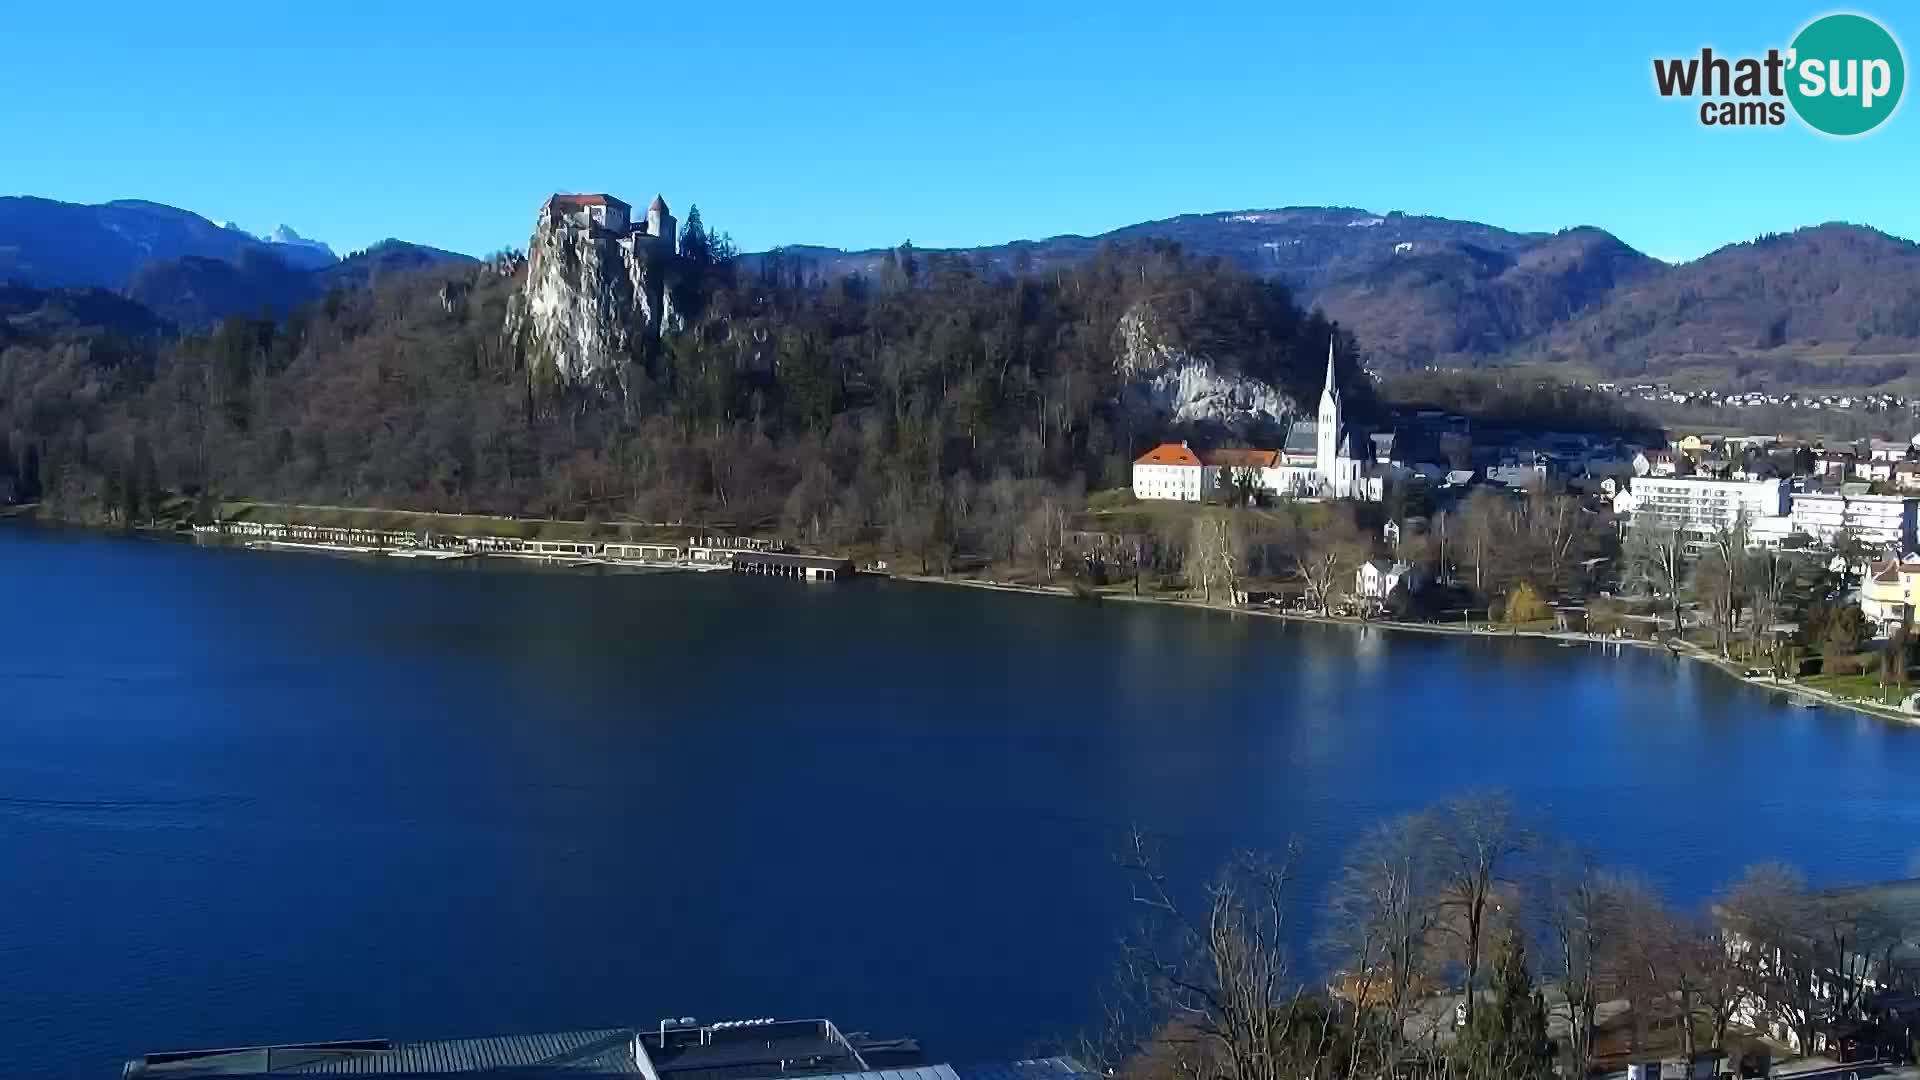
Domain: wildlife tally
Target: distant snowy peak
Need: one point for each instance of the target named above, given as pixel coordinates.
(286, 237)
(295, 250)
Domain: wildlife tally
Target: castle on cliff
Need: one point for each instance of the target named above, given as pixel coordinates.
(602, 214)
(595, 293)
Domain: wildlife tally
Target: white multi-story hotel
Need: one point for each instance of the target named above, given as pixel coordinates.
(1879, 521)
(1701, 507)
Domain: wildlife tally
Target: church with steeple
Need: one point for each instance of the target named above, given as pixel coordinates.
(1322, 456)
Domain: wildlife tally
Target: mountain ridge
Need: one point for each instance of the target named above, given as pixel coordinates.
(187, 269)
(1828, 304)
(1423, 292)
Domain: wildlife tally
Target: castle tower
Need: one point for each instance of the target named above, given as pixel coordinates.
(660, 224)
(1327, 458)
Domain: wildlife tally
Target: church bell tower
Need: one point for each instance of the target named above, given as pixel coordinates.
(1327, 461)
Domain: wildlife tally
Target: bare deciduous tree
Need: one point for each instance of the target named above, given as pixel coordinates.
(1656, 557)
(1380, 922)
(1580, 914)
(1228, 1005)
(1769, 910)
(1326, 550)
(1216, 554)
(1475, 839)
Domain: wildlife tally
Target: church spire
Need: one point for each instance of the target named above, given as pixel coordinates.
(1330, 388)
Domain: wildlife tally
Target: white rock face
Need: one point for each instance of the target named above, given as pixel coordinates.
(1179, 387)
(588, 299)
(315, 250)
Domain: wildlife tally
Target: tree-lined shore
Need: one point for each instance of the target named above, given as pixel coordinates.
(1463, 941)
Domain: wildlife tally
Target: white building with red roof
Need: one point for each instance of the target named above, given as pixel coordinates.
(1170, 471)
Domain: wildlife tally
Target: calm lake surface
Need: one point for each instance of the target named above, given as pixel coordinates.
(254, 798)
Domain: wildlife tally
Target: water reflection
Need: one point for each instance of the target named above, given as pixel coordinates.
(375, 800)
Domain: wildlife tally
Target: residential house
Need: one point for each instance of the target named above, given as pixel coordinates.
(1875, 470)
(1377, 578)
(1661, 463)
(1887, 593)
(1833, 465)
(1844, 982)
(1529, 472)
(1887, 450)
(1906, 476)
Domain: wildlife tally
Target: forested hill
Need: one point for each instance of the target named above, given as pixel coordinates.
(1833, 306)
(1830, 307)
(185, 269)
(1305, 247)
(196, 291)
(928, 402)
(1428, 289)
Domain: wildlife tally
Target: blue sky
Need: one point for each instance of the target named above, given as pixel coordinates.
(862, 125)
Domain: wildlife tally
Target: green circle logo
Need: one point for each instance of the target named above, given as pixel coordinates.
(1846, 74)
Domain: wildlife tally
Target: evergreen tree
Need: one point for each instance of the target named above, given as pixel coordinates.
(1508, 1039)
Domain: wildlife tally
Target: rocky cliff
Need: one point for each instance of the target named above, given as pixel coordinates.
(1168, 384)
(591, 300)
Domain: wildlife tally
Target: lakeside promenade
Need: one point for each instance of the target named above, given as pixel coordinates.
(1677, 649)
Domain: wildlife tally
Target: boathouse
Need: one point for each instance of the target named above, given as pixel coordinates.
(782, 564)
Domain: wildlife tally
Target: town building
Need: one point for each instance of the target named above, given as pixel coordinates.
(1660, 463)
(676, 1049)
(1525, 473)
(1906, 476)
(1887, 450)
(1882, 522)
(1241, 467)
(1775, 534)
(1169, 471)
(1321, 458)
(1701, 506)
(1833, 465)
(1887, 593)
(1326, 458)
(1828, 964)
(1874, 471)
(1377, 578)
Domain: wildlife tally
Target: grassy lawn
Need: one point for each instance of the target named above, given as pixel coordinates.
(1857, 687)
(347, 517)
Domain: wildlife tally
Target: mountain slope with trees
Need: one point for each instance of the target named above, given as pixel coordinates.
(1833, 305)
(1457, 299)
(930, 397)
(1830, 307)
(52, 244)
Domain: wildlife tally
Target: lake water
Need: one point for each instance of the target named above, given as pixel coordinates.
(253, 798)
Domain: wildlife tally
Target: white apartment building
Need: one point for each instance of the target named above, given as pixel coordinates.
(1701, 507)
(1879, 521)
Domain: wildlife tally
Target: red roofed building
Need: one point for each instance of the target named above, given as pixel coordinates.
(1169, 471)
(594, 211)
(588, 210)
